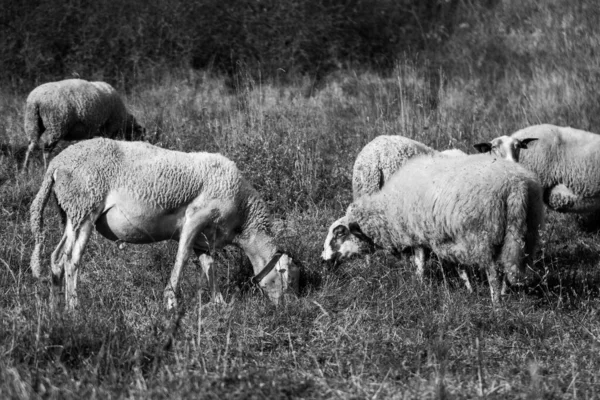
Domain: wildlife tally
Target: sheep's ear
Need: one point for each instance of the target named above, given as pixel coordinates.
(523, 143)
(484, 147)
(340, 231)
(356, 231)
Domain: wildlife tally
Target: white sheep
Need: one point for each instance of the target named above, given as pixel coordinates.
(567, 162)
(379, 159)
(383, 156)
(75, 109)
(138, 193)
(475, 210)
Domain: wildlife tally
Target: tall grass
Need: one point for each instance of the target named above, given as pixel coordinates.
(368, 329)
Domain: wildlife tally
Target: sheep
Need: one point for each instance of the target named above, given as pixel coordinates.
(75, 109)
(567, 163)
(475, 210)
(383, 156)
(379, 159)
(138, 193)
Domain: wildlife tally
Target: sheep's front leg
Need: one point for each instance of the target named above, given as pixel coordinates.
(196, 218)
(561, 198)
(420, 262)
(207, 263)
(494, 282)
(462, 272)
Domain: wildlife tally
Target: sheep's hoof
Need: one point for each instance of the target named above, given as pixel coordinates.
(218, 299)
(170, 299)
(72, 307)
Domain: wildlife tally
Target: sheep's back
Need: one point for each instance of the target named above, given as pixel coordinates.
(87, 171)
(563, 155)
(77, 100)
(442, 201)
(379, 159)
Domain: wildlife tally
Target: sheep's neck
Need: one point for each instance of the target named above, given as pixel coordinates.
(373, 222)
(259, 248)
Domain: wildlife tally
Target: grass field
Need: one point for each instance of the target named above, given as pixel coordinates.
(365, 330)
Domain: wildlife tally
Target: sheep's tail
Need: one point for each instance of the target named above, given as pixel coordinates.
(37, 221)
(524, 218)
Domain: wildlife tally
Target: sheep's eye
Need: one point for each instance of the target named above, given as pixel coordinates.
(340, 232)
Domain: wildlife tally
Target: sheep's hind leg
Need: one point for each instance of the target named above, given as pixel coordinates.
(30, 149)
(207, 263)
(66, 256)
(58, 260)
(72, 266)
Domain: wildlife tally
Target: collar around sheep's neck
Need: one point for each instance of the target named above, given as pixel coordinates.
(268, 268)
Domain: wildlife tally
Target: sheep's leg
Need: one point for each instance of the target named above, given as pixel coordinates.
(561, 198)
(195, 221)
(57, 261)
(420, 262)
(504, 290)
(30, 149)
(462, 272)
(207, 263)
(72, 266)
(492, 275)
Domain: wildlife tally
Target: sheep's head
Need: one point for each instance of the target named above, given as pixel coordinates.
(506, 147)
(282, 279)
(344, 240)
(133, 130)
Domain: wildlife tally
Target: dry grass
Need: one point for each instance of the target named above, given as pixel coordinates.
(367, 330)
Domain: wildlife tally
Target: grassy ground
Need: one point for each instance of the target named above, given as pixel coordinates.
(366, 330)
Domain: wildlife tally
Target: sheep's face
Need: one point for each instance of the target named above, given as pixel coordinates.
(341, 243)
(506, 147)
(282, 280)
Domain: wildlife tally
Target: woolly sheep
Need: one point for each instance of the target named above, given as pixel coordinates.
(383, 156)
(75, 109)
(379, 159)
(138, 193)
(567, 162)
(474, 210)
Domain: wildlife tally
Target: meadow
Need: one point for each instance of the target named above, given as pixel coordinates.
(367, 329)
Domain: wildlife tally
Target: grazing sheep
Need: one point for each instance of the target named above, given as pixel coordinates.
(75, 109)
(567, 163)
(474, 210)
(379, 159)
(383, 156)
(138, 193)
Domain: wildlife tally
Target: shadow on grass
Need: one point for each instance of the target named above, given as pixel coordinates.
(16, 152)
(568, 276)
(241, 276)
